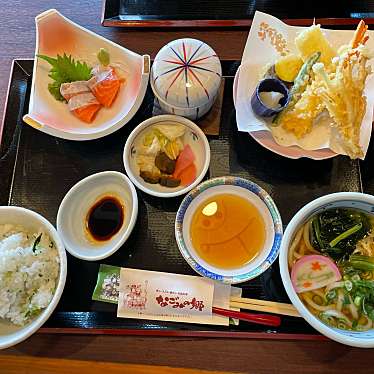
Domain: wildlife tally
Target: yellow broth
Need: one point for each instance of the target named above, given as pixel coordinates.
(227, 231)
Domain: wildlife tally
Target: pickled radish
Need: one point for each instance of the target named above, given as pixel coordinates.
(185, 159)
(188, 175)
(312, 272)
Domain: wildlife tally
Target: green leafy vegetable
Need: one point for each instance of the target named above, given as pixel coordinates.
(364, 263)
(36, 242)
(335, 232)
(345, 234)
(65, 69)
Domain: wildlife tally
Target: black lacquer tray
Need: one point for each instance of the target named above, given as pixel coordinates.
(36, 171)
(223, 13)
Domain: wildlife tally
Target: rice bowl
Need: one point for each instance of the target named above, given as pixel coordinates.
(29, 267)
(32, 273)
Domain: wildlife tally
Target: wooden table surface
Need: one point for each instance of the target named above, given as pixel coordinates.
(44, 353)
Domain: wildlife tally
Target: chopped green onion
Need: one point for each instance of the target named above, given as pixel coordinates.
(346, 300)
(331, 295)
(342, 324)
(330, 320)
(357, 301)
(348, 285)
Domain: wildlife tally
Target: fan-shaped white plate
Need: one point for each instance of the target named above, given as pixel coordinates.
(55, 34)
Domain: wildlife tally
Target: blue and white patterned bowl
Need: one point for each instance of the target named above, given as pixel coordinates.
(185, 77)
(355, 200)
(257, 196)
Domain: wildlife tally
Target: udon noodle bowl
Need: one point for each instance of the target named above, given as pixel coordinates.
(331, 262)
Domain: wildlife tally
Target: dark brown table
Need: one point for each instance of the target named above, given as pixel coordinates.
(17, 39)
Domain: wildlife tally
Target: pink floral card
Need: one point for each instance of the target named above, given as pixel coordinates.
(171, 297)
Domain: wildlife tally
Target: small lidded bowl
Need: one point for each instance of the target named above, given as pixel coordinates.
(185, 77)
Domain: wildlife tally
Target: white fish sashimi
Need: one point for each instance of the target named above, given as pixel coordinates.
(99, 74)
(82, 100)
(68, 90)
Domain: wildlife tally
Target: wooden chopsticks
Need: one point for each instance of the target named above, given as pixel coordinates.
(260, 319)
(264, 306)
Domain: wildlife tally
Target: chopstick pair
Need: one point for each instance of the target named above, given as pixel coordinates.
(259, 306)
(264, 306)
(260, 319)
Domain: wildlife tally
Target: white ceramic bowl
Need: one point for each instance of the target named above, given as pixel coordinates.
(185, 77)
(72, 213)
(341, 199)
(56, 34)
(9, 333)
(193, 136)
(255, 195)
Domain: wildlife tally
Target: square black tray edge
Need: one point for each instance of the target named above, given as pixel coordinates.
(93, 322)
(10, 130)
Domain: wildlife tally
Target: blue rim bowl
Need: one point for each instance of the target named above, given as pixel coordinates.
(196, 263)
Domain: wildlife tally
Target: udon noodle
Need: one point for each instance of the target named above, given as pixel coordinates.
(345, 304)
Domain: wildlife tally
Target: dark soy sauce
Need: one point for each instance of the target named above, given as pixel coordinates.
(105, 218)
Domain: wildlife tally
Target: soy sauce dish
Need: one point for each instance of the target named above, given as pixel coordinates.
(97, 215)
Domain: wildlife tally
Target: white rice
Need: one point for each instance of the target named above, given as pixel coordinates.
(27, 278)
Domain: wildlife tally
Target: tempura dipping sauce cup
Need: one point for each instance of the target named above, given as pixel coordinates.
(255, 195)
(269, 85)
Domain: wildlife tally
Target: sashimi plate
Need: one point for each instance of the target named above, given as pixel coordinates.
(56, 35)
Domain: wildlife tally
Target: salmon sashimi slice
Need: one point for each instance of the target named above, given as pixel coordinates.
(87, 113)
(105, 86)
(84, 106)
(185, 159)
(68, 90)
(187, 175)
